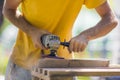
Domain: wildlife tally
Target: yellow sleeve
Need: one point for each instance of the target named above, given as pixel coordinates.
(93, 3)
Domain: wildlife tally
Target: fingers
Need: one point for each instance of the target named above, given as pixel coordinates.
(36, 37)
(41, 45)
(77, 46)
(38, 44)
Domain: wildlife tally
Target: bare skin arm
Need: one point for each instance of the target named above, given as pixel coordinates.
(10, 11)
(107, 23)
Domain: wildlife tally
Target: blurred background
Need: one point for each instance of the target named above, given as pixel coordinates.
(106, 47)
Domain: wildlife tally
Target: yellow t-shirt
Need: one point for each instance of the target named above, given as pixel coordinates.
(55, 16)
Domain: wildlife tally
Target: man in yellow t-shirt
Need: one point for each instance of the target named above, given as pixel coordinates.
(38, 17)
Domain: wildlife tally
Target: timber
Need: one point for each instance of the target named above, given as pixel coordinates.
(72, 63)
(66, 69)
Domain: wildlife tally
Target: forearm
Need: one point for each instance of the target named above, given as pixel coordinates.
(100, 29)
(19, 21)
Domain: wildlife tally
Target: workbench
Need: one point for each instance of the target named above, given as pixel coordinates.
(61, 69)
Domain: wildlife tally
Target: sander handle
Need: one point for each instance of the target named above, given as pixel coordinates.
(66, 44)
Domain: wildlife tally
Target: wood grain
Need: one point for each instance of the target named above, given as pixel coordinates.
(72, 63)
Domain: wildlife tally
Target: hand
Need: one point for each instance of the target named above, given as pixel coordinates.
(36, 37)
(78, 43)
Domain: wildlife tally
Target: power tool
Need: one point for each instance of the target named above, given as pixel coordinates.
(52, 42)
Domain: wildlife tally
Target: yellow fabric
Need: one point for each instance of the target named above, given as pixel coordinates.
(93, 3)
(55, 16)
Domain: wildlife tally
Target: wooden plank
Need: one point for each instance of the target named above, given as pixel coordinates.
(43, 76)
(71, 63)
(82, 71)
(59, 78)
(69, 73)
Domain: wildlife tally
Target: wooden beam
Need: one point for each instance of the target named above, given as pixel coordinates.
(82, 71)
(40, 74)
(71, 63)
(69, 73)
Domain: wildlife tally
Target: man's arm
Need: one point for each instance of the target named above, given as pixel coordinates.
(10, 11)
(106, 24)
